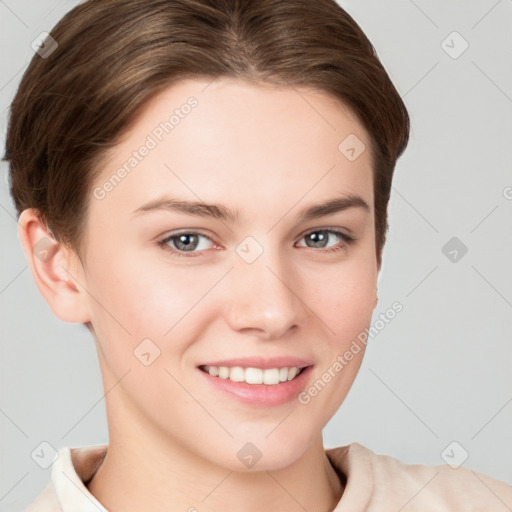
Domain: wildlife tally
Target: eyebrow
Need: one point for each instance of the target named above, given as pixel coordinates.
(218, 211)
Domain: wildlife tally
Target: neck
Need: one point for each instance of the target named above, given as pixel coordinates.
(160, 475)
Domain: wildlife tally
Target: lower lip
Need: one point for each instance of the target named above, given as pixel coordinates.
(262, 394)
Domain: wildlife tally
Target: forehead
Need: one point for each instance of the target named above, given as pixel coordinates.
(240, 142)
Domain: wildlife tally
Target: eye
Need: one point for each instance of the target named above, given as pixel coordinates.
(185, 242)
(188, 243)
(320, 238)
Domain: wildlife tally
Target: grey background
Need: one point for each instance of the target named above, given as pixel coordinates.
(440, 371)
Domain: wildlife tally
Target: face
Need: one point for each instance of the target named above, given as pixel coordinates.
(263, 278)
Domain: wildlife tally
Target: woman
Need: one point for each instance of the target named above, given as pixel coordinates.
(204, 185)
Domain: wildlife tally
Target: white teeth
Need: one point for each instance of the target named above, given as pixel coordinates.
(236, 374)
(268, 376)
(223, 372)
(292, 372)
(253, 376)
(271, 376)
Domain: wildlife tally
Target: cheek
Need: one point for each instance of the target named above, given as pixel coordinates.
(135, 300)
(344, 300)
(351, 307)
(344, 297)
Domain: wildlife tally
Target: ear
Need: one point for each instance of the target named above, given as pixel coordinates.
(56, 270)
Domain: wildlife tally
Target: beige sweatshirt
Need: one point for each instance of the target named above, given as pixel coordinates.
(374, 483)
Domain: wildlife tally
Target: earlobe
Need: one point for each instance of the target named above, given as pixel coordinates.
(54, 268)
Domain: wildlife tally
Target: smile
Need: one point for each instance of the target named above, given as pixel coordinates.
(268, 376)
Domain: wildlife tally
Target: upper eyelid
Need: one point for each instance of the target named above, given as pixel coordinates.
(328, 228)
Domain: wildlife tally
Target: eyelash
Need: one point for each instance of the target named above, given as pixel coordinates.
(349, 240)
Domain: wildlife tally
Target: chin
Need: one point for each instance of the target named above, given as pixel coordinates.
(267, 452)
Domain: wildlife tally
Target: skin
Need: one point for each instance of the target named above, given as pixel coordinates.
(173, 438)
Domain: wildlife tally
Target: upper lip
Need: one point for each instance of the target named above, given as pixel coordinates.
(262, 362)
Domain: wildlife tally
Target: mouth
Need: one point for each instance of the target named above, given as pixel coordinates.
(258, 382)
(254, 375)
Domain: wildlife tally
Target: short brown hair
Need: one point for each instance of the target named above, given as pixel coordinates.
(114, 55)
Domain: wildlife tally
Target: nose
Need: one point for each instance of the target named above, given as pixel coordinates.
(264, 297)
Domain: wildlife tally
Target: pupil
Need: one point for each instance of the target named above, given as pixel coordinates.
(182, 241)
(317, 237)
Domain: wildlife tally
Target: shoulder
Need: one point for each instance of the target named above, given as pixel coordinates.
(419, 487)
(66, 491)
